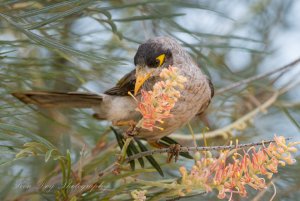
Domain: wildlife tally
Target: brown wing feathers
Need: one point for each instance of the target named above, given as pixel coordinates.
(124, 85)
(75, 99)
(59, 99)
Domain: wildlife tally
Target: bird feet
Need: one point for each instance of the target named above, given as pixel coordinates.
(130, 123)
(174, 150)
(131, 131)
(157, 144)
(98, 117)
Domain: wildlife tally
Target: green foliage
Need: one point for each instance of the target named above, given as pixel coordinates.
(89, 44)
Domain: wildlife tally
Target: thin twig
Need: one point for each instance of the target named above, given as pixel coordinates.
(275, 191)
(241, 122)
(256, 77)
(237, 125)
(259, 195)
(190, 149)
(187, 196)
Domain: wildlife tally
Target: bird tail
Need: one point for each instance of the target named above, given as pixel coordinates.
(59, 99)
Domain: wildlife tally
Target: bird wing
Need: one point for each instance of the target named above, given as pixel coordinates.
(76, 99)
(125, 84)
(212, 93)
(212, 89)
(59, 99)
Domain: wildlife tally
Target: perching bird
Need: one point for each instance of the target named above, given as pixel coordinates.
(117, 106)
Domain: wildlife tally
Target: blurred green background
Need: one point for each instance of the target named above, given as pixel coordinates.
(87, 45)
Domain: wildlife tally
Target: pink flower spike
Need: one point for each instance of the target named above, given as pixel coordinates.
(248, 168)
(156, 105)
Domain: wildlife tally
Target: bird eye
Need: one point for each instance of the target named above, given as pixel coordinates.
(160, 59)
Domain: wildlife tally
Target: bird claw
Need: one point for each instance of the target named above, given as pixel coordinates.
(98, 117)
(132, 131)
(129, 123)
(173, 152)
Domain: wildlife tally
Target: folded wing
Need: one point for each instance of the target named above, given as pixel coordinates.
(59, 99)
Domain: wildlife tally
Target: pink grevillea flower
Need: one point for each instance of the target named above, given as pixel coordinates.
(156, 105)
(139, 195)
(231, 172)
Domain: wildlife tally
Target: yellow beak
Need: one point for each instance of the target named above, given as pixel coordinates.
(141, 76)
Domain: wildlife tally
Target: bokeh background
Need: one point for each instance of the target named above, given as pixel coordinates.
(87, 45)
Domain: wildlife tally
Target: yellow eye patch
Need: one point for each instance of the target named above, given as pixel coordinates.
(161, 59)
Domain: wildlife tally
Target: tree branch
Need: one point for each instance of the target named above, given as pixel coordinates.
(188, 149)
(236, 125)
(257, 77)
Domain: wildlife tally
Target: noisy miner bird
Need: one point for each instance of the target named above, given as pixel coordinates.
(117, 106)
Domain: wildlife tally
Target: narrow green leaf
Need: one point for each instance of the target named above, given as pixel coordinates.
(148, 17)
(26, 133)
(291, 118)
(151, 160)
(8, 162)
(74, 198)
(12, 138)
(186, 4)
(47, 8)
(113, 178)
(112, 25)
(103, 11)
(132, 163)
(119, 137)
(4, 3)
(49, 154)
(63, 171)
(51, 43)
(226, 46)
(66, 13)
(5, 149)
(226, 37)
(136, 151)
(29, 151)
(170, 141)
(9, 186)
(135, 4)
(120, 140)
(68, 166)
(6, 52)
(116, 191)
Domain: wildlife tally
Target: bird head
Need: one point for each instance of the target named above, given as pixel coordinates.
(151, 57)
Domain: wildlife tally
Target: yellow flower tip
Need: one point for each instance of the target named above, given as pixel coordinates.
(280, 141)
(160, 128)
(130, 94)
(161, 121)
(181, 194)
(282, 163)
(288, 159)
(269, 175)
(211, 172)
(208, 154)
(292, 144)
(292, 149)
(139, 195)
(182, 170)
(197, 156)
(157, 104)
